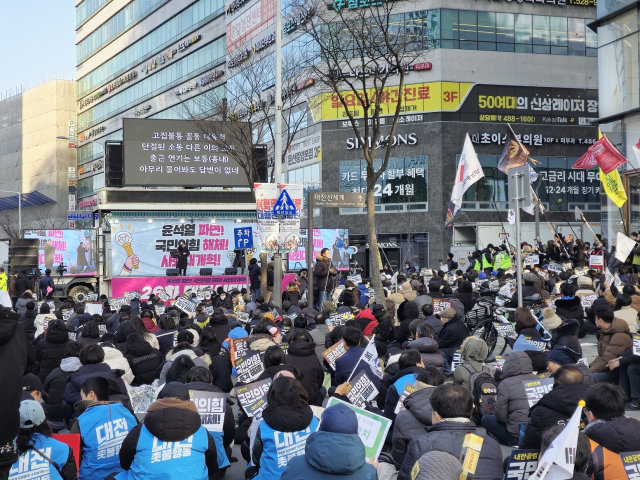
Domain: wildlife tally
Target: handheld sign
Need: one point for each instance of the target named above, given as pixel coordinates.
(532, 260)
(536, 389)
(554, 267)
(242, 316)
(456, 361)
(631, 464)
(116, 303)
(587, 299)
(93, 308)
(551, 302)
(636, 344)
(440, 304)
(238, 348)
(336, 319)
(355, 279)
(252, 393)
(208, 310)
(361, 390)
(522, 464)
(334, 352)
(211, 407)
(66, 314)
(505, 330)
(185, 305)
(162, 295)
(159, 309)
(249, 367)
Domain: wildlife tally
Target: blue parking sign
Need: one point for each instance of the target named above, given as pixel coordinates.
(244, 237)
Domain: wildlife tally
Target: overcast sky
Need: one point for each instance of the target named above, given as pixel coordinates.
(38, 41)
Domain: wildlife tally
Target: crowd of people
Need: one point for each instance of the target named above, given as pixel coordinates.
(67, 371)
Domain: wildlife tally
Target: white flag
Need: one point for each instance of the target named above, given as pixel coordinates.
(511, 216)
(559, 458)
(624, 245)
(578, 214)
(634, 161)
(469, 172)
(370, 355)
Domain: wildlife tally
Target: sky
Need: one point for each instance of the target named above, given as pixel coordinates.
(38, 38)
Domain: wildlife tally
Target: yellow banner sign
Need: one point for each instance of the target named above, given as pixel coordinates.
(415, 98)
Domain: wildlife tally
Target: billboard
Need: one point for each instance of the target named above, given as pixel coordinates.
(179, 153)
(76, 248)
(337, 240)
(142, 249)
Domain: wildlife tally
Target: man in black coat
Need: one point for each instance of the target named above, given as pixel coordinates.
(450, 404)
(407, 313)
(16, 355)
(28, 319)
(556, 407)
(302, 355)
(323, 273)
(451, 336)
(254, 277)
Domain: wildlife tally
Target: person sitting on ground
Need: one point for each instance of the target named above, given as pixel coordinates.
(349, 363)
(562, 356)
(610, 432)
(410, 364)
(570, 306)
(582, 455)
(336, 439)
(416, 417)
(555, 407)
(407, 313)
(102, 426)
(474, 353)
(183, 348)
(34, 438)
(302, 354)
(170, 443)
(526, 324)
(450, 339)
(422, 340)
(422, 298)
(365, 319)
(143, 360)
(431, 319)
(626, 312)
(384, 330)
(28, 319)
(614, 340)
(56, 382)
(512, 406)
(452, 408)
(563, 332)
(466, 295)
(50, 350)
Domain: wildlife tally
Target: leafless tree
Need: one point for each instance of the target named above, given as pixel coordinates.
(365, 52)
(42, 218)
(9, 223)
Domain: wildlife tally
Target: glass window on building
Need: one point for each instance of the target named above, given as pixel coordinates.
(523, 32)
(541, 34)
(504, 31)
(486, 31)
(558, 36)
(618, 27)
(576, 36)
(618, 76)
(633, 195)
(308, 177)
(449, 29)
(468, 29)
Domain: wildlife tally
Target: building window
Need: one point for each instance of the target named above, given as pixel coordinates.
(618, 75)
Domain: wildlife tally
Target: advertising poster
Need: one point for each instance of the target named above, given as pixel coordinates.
(268, 230)
(290, 224)
(142, 249)
(335, 240)
(74, 248)
(177, 286)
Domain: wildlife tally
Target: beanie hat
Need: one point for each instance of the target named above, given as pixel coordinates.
(174, 390)
(436, 465)
(550, 319)
(584, 282)
(563, 355)
(482, 275)
(339, 419)
(448, 313)
(408, 310)
(527, 249)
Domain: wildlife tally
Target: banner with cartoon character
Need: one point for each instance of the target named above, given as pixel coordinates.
(336, 240)
(142, 249)
(75, 248)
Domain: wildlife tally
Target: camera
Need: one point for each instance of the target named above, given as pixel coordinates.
(61, 268)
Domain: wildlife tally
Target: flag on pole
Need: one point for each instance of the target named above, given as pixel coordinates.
(624, 245)
(511, 216)
(514, 153)
(578, 214)
(469, 172)
(635, 161)
(586, 161)
(370, 355)
(614, 187)
(558, 460)
(607, 156)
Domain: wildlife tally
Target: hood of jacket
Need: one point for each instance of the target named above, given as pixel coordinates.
(418, 403)
(569, 303)
(563, 398)
(367, 314)
(518, 363)
(285, 419)
(569, 327)
(302, 348)
(140, 349)
(30, 314)
(261, 344)
(474, 349)
(95, 368)
(219, 319)
(172, 420)
(188, 352)
(320, 258)
(617, 326)
(112, 354)
(620, 434)
(408, 310)
(335, 453)
(150, 325)
(57, 336)
(406, 288)
(70, 364)
(237, 332)
(424, 345)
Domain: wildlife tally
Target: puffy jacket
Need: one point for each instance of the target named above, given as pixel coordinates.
(150, 325)
(364, 293)
(302, 355)
(54, 386)
(322, 277)
(27, 319)
(429, 351)
(367, 322)
(198, 361)
(421, 300)
(221, 363)
(436, 323)
(50, 350)
(612, 344)
(346, 364)
(452, 335)
(21, 305)
(512, 406)
(394, 387)
(567, 335)
(166, 340)
(115, 359)
(412, 422)
(292, 295)
(254, 275)
(407, 313)
(328, 456)
(40, 321)
(609, 437)
(571, 307)
(349, 297)
(629, 315)
(220, 325)
(554, 408)
(474, 353)
(466, 295)
(449, 437)
(143, 361)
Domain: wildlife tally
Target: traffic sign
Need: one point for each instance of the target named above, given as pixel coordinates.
(244, 237)
(338, 199)
(284, 205)
(79, 215)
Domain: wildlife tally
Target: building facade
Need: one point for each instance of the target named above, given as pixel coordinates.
(33, 161)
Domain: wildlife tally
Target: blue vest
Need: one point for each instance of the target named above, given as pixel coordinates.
(223, 461)
(103, 429)
(32, 466)
(279, 447)
(156, 459)
(402, 382)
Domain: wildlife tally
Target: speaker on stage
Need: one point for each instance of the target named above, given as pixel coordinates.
(230, 271)
(173, 272)
(206, 271)
(23, 254)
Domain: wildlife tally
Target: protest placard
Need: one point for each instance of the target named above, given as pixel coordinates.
(505, 329)
(531, 260)
(406, 391)
(551, 302)
(66, 314)
(631, 464)
(336, 319)
(522, 464)
(587, 299)
(440, 304)
(187, 306)
(93, 308)
(116, 303)
(208, 309)
(361, 390)
(334, 352)
(355, 279)
(456, 361)
(252, 393)
(238, 348)
(242, 316)
(159, 309)
(636, 344)
(211, 407)
(372, 429)
(92, 297)
(536, 389)
(554, 267)
(162, 295)
(249, 366)
(539, 343)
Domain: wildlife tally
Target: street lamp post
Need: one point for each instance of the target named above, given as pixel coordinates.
(19, 209)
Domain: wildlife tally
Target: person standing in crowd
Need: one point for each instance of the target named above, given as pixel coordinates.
(323, 273)
(4, 280)
(183, 258)
(46, 286)
(254, 278)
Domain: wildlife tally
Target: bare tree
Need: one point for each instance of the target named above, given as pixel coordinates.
(248, 108)
(42, 218)
(365, 53)
(9, 223)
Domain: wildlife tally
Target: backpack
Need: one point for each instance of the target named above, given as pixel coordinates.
(484, 390)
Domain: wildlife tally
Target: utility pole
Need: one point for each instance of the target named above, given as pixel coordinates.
(277, 146)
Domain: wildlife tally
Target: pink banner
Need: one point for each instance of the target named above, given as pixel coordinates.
(176, 286)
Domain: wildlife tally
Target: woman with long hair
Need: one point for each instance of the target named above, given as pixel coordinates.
(220, 359)
(526, 323)
(141, 330)
(183, 348)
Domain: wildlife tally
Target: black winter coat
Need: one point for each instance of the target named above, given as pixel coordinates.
(393, 395)
(322, 277)
(567, 335)
(452, 335)
(55, 384)
(50, 350)
(183, 260)
(468, 299)
(572, 308)
(302, 355)
(349, 297)
(220, 324)
(221, 363)
(254, 276)
(16, 355)
(27, 320)
(411, 423)
(449, 437)
(165, 341)
(554, 408)
(144, 361)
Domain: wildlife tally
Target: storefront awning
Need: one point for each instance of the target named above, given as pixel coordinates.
(31, 199)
